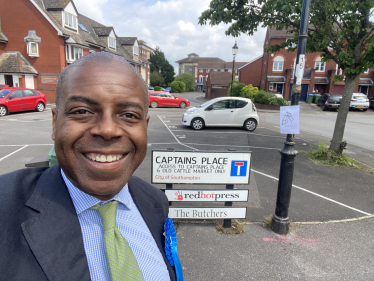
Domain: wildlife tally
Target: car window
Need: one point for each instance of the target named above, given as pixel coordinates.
(154, 95)
(16, 94)
(170, 96)
(359, 97)
(223, 104)
(240, 103)
(35, 93)
(335, 98)
(3, 93)
(28, 93)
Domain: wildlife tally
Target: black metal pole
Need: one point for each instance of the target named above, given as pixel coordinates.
(281, 222)
(227, 222)
(232, 76)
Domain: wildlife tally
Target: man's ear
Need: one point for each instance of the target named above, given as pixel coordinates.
(148, 117)
(54, 120)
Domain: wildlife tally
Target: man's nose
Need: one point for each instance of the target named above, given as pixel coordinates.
(107, 127)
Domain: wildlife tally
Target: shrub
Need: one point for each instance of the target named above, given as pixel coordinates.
(236, 89)
(177, 87)
(157, 88)
(249, 92)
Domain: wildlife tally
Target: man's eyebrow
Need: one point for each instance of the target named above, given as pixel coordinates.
(83, 99)
(129, 104)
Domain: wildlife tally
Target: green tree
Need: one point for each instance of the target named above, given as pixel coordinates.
(187, 79)
(340, 29)
(159, 61)
(177, 87)
(156, 79)
(249, 92)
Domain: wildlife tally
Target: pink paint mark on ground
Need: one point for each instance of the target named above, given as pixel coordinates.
(300, 241)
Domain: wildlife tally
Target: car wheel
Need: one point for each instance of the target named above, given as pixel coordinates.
(197, 124)
(154, 104)
(250, 124)
(40, 107)
(3, 110)
(182, 104)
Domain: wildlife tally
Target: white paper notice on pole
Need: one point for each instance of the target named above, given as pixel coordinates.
(289, 119)
(207, 213)
(199, 167)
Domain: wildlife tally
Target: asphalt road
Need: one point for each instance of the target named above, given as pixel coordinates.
(321, 193)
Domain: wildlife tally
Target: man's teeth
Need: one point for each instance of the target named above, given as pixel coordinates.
(103, 158)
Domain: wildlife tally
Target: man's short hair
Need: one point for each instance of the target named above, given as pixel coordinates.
(100, 57)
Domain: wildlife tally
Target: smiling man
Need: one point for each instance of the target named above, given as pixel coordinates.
(88, 218)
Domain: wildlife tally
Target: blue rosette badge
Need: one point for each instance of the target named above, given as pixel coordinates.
(171, 248)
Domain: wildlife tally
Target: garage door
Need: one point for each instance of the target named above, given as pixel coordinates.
(29, 81)
(338, 89)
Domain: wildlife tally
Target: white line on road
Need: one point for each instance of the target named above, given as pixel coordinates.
(13, 152)
(198, 97)
(316, 194)
(5, 145)
(174, 135)
(235, 146)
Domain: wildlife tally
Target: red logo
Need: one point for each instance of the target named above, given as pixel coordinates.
(179, 195)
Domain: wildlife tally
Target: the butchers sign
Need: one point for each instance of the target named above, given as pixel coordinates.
(200, 167)
(207, 213)
(180, 195)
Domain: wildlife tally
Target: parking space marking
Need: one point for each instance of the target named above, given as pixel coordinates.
(174, 135)
(195, 98)
(35, 144)
(316, 194)
(13, 152)
(270, 148)
(149, 144)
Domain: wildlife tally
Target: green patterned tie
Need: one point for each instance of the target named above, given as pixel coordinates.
(121, 259)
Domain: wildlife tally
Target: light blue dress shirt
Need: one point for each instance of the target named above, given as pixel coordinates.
(131, 225)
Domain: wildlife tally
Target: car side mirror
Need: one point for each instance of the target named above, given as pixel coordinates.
(210, 107)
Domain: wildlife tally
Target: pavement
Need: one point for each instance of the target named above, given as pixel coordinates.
(332, 209)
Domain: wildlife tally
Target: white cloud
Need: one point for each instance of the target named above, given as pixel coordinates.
(172, 25)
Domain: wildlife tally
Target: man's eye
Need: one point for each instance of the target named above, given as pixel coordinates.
(81, 111)
(129, 115)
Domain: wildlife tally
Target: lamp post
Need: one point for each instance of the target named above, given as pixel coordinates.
(159, 71)
(281, 222)
(234, 52)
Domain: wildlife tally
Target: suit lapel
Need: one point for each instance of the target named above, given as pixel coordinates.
(153, 215)
(54, 235)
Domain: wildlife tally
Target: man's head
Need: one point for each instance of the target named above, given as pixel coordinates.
(100, 123)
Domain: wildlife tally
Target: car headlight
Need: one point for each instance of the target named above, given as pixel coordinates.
(192, 110)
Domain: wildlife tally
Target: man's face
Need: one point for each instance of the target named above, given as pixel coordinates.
(100, 128)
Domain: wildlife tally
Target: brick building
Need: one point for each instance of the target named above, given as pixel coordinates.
(276, 71)
(39, 38)
(217, 84)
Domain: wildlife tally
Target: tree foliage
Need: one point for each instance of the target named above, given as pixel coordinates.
(156, 79)
(177, 87)
(187, 79)
(340, 29)
(159, 61)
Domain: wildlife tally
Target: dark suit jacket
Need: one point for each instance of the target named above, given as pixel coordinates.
(40, 235)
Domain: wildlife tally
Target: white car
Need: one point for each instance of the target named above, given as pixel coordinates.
(359, 101)
(223, 112)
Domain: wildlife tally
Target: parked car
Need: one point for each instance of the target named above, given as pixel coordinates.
(359, 101)
(151, 89)
(3, 86)
(165, 99)
(371, 105)
(168, 89)
(20, 99)
(223, 112)
(329, 101)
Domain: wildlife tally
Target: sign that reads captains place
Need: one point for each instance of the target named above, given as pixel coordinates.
(200, 167)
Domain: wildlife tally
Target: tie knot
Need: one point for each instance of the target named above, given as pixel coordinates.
(107, 213)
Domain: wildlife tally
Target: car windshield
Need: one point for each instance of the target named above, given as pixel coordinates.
(204, 104)
(3, 93)
(359, 97)
(335, 98)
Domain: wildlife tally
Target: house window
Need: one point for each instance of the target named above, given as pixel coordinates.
(319, 66)
(32, 49)
(200, 70)
(222, 70)
(278, 63)
(215, 70)
(73, 53)
(112, 43)
(230, 70)
(71, 21)
(136, 50)
(207, 71)
(271, 86)
(201, 79)
(367, 71)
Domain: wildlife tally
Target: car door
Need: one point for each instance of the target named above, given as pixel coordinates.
(220, 113)
(29, 100)
(171, 100)
(242, 112)
(15, 101)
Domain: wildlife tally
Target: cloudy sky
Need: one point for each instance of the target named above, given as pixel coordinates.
(171, 25)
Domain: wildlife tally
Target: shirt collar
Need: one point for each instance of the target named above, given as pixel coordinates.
(83, 201)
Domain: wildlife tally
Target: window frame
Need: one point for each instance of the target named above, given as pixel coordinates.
(278, 63)
(29, 49)
(110, 41)
(320, 66)
(70, 53)
(74, 21)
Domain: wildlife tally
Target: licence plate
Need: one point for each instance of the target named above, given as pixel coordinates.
(360, 106)
(335, 104)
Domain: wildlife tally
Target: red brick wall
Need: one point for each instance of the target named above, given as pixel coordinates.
(251, 74)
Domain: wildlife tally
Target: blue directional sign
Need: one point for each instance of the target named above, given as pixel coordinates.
(238, 168)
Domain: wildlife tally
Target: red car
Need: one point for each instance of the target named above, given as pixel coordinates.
(166, 99)
(21, 99)
(3, 86)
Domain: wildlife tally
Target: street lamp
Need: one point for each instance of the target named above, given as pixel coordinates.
(234, 52)
(159, 71)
